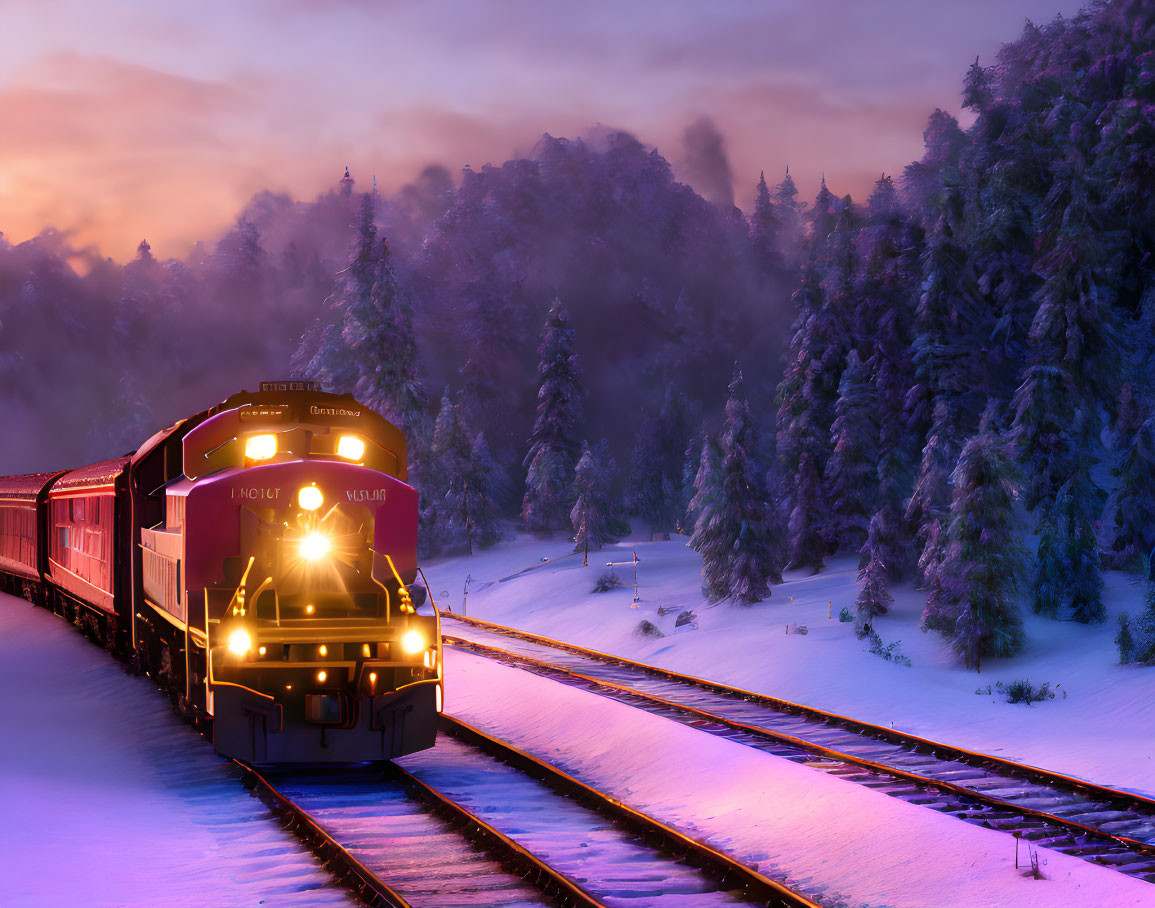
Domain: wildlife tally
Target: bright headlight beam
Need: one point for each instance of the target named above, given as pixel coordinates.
(315, 545)
(350, 447)
(412, 642)
(239, 641)
(260, 447)
(310, 498)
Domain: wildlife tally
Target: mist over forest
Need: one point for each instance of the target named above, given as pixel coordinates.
(664, 288)
(994, 297)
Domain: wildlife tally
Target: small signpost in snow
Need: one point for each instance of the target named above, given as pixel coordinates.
(637, 598)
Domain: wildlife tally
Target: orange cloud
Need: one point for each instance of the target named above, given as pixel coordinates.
(115, 152)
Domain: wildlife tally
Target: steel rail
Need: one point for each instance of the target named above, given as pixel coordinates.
(828, 752)
(346, 869)
(509, 853)
(720, 866)
(921, 745)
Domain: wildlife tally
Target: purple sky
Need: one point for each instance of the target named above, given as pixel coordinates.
(138, 118)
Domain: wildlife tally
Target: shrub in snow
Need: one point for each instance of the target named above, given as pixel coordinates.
(1023, 692)
(608, 581)
(685, 621)
(844, 616)
(891, 652)
(649, 629)
(1124, 640)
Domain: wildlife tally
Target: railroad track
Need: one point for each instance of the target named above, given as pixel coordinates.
(474, 822)
(1100, 824)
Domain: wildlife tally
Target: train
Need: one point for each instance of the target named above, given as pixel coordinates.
(258, 560)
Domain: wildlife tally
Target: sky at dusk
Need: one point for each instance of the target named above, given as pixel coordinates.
(136, 118)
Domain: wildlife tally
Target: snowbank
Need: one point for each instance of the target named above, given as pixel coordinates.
(1100, 727)
(833, 839)
(107, 798)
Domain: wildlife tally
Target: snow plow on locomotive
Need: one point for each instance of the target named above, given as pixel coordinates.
(258, 560)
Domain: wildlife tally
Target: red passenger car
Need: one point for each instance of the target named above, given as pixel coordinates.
(22, 527)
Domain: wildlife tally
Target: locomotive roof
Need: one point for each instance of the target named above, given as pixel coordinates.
(27, 485)
(97, 474)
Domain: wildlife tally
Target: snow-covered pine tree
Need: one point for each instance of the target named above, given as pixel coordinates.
(442, 488)
(479, 490)
(806, 410)
(946, 356)
(851, 477)
(554, 446)
(1132, 507)
(930, 501)
(765, 230)
(705, 514)
(592, 516)
(653, 482)
(691, 463)
(755, 559)
(368, 347)
(874, 599)
(735, 530)
(981, 570)
(1043, 406)
(789, 212)
(882, 322)
(1078, 506)
(1049, 585)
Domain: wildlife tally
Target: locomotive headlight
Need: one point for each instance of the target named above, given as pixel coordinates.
(310, 498)
(350, 447)
(315, 545)
(239, 641)
(412, 642)
(260, 447)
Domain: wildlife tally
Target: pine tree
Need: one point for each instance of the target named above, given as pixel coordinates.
(1049, 581)
(807, 397)
(1078, 506)
(850, 471)
(875, 598)
(765, 231)
(755, 559)
(443, 489)
(592, 513)
(554, 447)
(653, 483)
(983, 560)
(928, 505)
(369, 347)
(735, 529)
(705, 513)
(1132, 510)
(480, 489)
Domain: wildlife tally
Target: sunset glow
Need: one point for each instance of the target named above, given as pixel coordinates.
(153, 120)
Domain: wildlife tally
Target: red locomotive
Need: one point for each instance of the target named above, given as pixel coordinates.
(259, 561)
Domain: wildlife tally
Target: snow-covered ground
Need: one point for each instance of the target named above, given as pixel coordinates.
(1100, 726)
(107, 798)
(838, 841)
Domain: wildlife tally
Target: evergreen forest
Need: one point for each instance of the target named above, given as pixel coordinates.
(952, 378)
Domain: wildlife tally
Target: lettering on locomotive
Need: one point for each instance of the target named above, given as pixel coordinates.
(256, 494)
(314, 410)
(365, 494)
